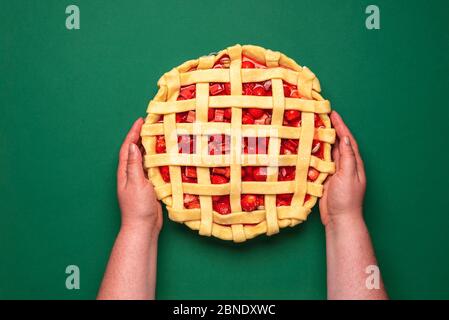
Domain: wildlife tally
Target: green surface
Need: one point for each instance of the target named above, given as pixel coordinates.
(67, 98)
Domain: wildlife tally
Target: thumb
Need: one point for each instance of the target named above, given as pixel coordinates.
(134, 169)
(347, 157)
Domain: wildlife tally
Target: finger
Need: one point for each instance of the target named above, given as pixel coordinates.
(325, 187)
(348, 164)
(134, 168)
(131, 137)
(323, 199)
(342, 130)
(336, 154)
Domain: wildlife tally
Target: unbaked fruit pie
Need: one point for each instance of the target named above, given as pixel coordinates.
(238, 143)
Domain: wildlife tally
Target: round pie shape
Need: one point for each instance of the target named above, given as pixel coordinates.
(238, 143)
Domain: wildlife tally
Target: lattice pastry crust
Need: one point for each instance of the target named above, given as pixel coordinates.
(225, 68)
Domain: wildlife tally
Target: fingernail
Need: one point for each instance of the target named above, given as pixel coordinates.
(132, 148)
(346, 140)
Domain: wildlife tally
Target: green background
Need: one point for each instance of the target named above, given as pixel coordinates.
(67, 98)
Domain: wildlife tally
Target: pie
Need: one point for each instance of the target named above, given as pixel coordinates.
(238, 143)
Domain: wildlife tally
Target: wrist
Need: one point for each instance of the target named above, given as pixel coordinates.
(349, 218)
(140, 228)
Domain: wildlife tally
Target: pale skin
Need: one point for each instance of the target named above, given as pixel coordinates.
(349, 249)
(131, 270)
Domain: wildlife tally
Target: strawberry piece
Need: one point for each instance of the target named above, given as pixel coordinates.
(286, 173)
(221, 204)
(291, 115)
(224, 171)
(219, 115)
(181, 117)
(225, 61)
(248, 202)
(287, 90)
(187, 179)
(219, 144)
(251, 145)
(264, 119)
(296, 123)
(316, 145)
(259, 90)
(289, 146)
(193, 205)
(186, 144)
(243, 173)
(284, 199)
(294, 94)
(319, 122)
(210, 114)
(218, 179)
(318, 149)
(160, 144)
(312, 174)
(307, 198)
(191, 201)
(165, 173)
(293, 123)
(222, 207)
(267, 85)
(256, 113)
(262, 145)
(187, 92)
(228, 113)
(189, 198)
(247, 89)
(247, 119)
(248, 65)
(227, 88)
(190, 117)
(184, 139)
(259, 174)
(254, 62)
(260, 201)
(290, 90)
(284, 151)
(188, 176)
(190, 172)
(247, 173)
(216, 88)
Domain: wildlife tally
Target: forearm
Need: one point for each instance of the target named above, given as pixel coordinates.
(131, 270)
(349, 253)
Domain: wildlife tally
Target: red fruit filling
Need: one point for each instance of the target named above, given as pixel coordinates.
(257, 115)
(188, 174)
(186, 144)
(286, 199)
(219, 114)
(255, 145)
(220, 143)
(222, 63)
(221, 204)
(191, 201)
